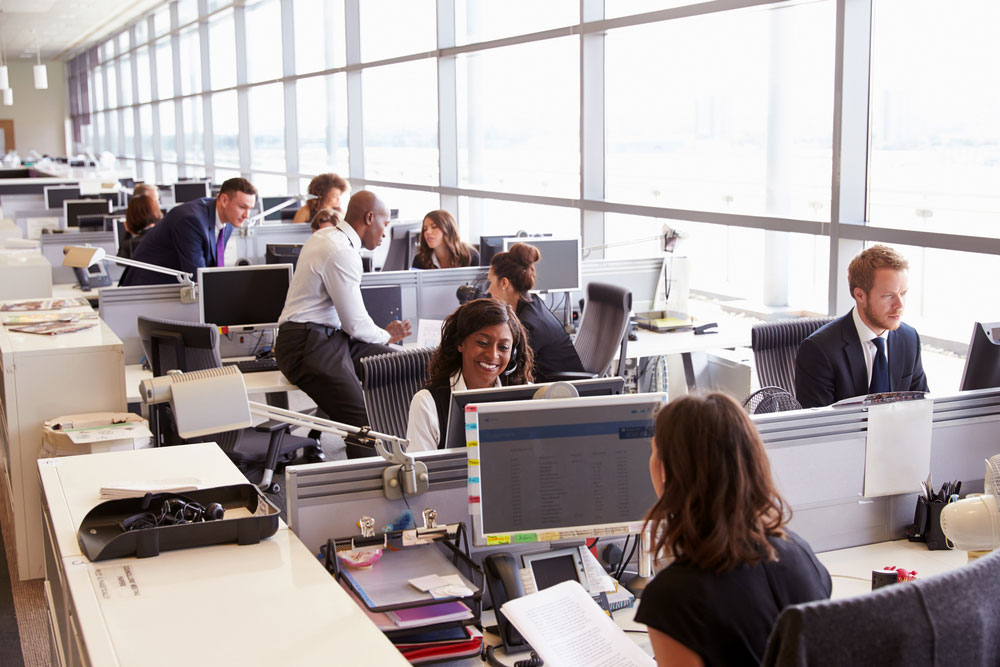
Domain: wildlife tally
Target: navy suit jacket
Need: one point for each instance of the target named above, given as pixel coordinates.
(830, 364)
(185, 239)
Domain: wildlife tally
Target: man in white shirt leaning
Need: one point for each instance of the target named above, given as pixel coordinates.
(324, 329)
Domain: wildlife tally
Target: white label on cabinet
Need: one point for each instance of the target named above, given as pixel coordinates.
(116, 582)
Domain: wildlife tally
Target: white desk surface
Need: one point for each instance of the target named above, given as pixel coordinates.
(69, 290)
(256, 383)
(652, 344)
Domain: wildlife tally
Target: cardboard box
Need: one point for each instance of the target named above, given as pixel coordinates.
(94, 432)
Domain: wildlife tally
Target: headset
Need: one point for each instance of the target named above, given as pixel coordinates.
(512, 365)
(170, 509)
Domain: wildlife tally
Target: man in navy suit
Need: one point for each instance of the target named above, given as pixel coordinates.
(193, 234)
(848, 357)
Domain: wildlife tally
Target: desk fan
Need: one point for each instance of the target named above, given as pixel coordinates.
(974, 523)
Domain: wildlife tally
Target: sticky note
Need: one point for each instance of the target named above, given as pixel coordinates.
(524, 538)
(495, 540)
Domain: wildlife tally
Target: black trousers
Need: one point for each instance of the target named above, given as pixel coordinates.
(326, 365)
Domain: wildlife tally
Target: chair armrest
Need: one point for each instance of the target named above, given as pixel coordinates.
(271, 426)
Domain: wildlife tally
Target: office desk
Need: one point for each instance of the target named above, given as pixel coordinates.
(269, 603)
(72, 290)
(46, 377)
(679, 347)
(24, 275)
(851, 569)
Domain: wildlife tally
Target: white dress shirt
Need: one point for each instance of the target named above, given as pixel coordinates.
(422, 427)
(326, 287)
(866, 336)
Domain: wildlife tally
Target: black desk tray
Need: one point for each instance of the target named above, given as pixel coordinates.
(101, 535)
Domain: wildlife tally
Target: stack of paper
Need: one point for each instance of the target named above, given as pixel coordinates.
(429, 614)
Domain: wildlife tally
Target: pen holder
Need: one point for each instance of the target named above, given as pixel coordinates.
(917, 531)
(935, 538)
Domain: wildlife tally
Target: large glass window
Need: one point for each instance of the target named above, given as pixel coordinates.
(226, 127)
(164, 69)
(392, 28)
(321, 103)
(477, 21)
(192, 109)
(935, 121)
(187, 11)
(267, 127)
(222, 49)
(146, 128)
(263, 22)
(400, 111)
(128, 142)
(523, 136)
(144, 83)
(319, 35)
(111, 79)
(168, 132)
(190, 45)
(728, 112)
(125, 69)
(477, 217)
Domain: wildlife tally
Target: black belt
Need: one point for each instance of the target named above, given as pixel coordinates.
(315, 326)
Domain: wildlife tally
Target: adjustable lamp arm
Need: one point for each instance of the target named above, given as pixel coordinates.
(259, 218)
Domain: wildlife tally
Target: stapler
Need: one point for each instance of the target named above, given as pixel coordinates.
(707, 328)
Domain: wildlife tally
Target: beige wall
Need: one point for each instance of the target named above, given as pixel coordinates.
(39, 115)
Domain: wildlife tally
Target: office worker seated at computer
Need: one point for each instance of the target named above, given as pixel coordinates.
(847, 357)
(324, 218)
(324, 329)
(720, 517)
(328, 189)
(440, 246)
(193, 234)
(147, 189)
(511, 277)
(482, 345)
(141, 216)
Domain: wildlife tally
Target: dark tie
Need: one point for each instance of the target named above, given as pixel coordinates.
(220, 248)
(880, 369)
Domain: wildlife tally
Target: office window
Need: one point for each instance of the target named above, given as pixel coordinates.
(263, 21)
(222, 50)
(168, 172)
(168, 132)
(392, 28)
(271, 185)
(124, 41)
(226, 127)
(187, 11)
(190, 53)
(411, 204)
(935, 121)
(497, 217)
(523, 136)
(161, 21)
(477, 21)
(125, 77)
(128, 139)
(97, 83)
(114, 136)
(106, 51)
(267, 127)
(616, 8)
(141, 32)
(223, 175)
(164, 69)
(146, 131)
(400, 112)
(216, 4)
(111, 81)
(144, 78)
(192, 109)
(321, 103)
(319, 35)
(728, 112)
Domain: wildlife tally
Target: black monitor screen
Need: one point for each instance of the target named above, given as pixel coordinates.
(244, 297)
(74, 208)
(282, 253)
(982, 365)
(189, 190)
(55, 195)
(91, 222)
(270, 202)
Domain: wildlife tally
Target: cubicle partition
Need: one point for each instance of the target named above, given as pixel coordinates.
(251, 243)
(817, 459)
(120, 308)
(52, 250)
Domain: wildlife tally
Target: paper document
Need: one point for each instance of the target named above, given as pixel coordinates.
(429, 333)
(898, 448)
(567, 629)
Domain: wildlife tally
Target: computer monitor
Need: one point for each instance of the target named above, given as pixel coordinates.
(121, 233)
(74, 208)
(982, 364)
(559, 268)
(55, 195)
(282, 253)
(541, 471)
(402, 245)
(270, 202)
(243, 298)
(489, 246)
(611, 386)
(91, 222)
(384, 303)
(188, 190)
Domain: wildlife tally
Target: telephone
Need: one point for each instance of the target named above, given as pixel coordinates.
(503, 580)
(93, 276)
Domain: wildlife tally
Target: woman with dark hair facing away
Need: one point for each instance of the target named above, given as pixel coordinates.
(482, 345)
(511, 277)
(440, 247)
(142, 214)
(329, 189)
(720, 517)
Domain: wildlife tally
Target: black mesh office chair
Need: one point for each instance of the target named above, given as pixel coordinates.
(770, 399)
(389, 382)
(602, 332)
(191, 346)
(775, 345)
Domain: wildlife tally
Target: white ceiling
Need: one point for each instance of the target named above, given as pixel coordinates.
(62, 28)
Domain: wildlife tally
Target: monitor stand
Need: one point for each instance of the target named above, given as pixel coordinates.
(637, 584)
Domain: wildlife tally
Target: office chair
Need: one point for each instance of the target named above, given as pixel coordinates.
(191, 346)
(770, 399)
(602, 332)
(389, 382)
(774, 346)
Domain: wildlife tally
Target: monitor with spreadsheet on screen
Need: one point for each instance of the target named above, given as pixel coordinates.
(188, 190)
(558, 469)
(74, 208)
(982, 363)
(559, 268)
(55, 195)
(243, 298)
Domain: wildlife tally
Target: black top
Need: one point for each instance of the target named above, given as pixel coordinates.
(554, 351)
(473, 260)
(131, 243)
(442, 401)
(727, 617)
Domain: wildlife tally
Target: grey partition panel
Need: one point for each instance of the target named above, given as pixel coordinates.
(437, 296)
(640, 276)
(52, 250)
(253, 245)
(120, 308)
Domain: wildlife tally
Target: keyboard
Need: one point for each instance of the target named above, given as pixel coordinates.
(254, 365)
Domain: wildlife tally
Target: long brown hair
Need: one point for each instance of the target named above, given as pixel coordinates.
(517, 265)
(719, 504)
(466, 320)
(142, 211)
(458, 252)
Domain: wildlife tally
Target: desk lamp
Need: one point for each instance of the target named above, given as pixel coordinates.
(83, 257)
(254, 220)
(215, 400)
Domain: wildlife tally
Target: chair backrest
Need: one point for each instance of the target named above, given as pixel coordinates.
(602, 328)
(775, 345)
(389, 382)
